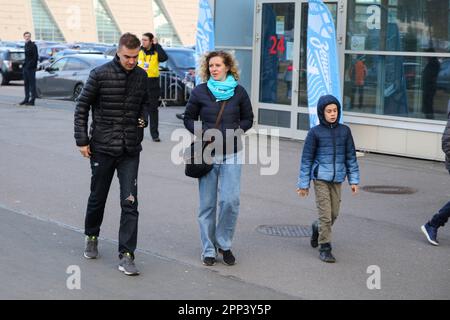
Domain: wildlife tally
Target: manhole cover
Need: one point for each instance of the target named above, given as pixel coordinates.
(389, 189)
(286, 230)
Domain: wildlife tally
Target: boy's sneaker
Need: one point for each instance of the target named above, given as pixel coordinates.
(91, 251)
(315, 234)
(127, 266)
(431, 233)
(228, 257)
(209, 261)
(325, 253)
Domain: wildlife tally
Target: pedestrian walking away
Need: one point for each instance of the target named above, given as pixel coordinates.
(219, 190)
(116, 94)
(150, 55)
(328, 157)
(29, 70)
(439, 219)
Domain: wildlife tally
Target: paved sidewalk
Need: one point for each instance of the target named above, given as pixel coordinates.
(43, 176)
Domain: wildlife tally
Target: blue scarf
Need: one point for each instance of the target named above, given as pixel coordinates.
(222, 90)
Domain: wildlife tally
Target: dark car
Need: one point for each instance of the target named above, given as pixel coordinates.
(11, 64)
(65, 78)
(177, 75)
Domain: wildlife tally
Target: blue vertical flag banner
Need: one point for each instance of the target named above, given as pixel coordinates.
(322, 59)
(205, 33)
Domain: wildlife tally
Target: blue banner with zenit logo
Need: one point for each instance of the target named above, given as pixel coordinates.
(322, 59)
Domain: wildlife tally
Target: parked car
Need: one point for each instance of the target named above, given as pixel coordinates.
(65, 78)
(178, 71)
(48, 52)
(11, 64)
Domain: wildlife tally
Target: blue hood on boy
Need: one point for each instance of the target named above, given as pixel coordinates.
(322, 103)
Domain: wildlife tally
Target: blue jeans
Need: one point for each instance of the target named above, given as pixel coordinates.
(220, 186)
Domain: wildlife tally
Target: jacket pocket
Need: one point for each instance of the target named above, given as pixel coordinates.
(102, 134)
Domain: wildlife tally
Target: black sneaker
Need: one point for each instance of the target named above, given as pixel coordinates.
(23, 102)
(156, 139)
(180, 116)
(127, 266)
(91, 251)
(228, 257)
(31, 103)
(325, 253)
(209, 261)
(315, 234)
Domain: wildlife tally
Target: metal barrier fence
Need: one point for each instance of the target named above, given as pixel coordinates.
(174, 90)
(169, 87)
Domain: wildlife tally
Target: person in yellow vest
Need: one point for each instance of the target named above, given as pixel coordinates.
(150, 55)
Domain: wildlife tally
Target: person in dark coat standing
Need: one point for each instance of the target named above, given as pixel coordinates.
(150, 56)
(29, 70)
(440, 219)
(329, 156)
(219, 190)
(116, 92)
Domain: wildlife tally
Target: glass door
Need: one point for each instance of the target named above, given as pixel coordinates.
(279, 85)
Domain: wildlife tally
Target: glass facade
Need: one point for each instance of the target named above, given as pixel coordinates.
(397, 58)
(163, 28)
(107, 30)
(45, 27)
(277, 40)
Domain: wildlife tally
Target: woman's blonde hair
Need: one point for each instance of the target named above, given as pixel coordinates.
(228, 60)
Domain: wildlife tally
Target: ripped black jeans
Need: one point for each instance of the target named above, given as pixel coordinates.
(103, 167)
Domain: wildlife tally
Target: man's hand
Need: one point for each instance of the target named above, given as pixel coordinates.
(354, 188)
(142, 123)
(303, 192)
(85, 151)
(155, 40)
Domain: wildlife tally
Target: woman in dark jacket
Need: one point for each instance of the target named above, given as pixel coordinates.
(222, 183)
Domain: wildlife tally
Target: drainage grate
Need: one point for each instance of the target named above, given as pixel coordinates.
(287, 231)
(389, 189)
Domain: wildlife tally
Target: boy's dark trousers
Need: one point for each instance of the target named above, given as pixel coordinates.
(328, 201)
(29, 77)
(103, 167)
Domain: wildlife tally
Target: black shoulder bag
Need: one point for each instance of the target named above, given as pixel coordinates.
(196, 166)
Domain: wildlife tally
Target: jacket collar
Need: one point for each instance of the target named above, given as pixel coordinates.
(116, 63)
(148, 51)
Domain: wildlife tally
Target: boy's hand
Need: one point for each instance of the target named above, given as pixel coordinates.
(303, 192)
(354, 188)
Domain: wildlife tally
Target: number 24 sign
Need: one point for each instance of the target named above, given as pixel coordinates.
(277, 45)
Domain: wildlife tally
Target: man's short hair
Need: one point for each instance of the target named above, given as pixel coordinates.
(26, 32)
(129, 40)
(149, 35)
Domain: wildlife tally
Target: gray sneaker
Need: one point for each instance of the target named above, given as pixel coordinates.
(91, 251)
(127, 266)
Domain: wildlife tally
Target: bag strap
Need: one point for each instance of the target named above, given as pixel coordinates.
(219, 116)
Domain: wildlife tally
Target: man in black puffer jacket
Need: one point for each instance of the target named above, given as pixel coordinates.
(117, 93)
(440, 219)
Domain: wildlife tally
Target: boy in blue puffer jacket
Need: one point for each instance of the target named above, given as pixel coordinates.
(328, 157)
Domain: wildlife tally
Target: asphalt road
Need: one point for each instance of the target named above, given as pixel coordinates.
(44, 185)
